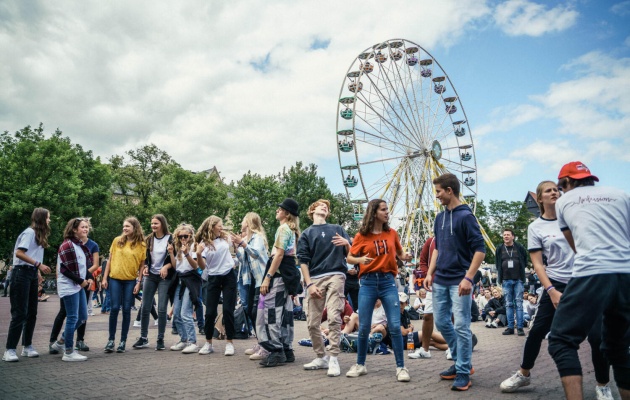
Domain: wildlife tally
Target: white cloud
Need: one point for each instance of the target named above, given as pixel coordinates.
(622, 9)
(524, 17)
(501, 169)
(116, 75)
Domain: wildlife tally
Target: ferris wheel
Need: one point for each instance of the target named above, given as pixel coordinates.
(400, 124)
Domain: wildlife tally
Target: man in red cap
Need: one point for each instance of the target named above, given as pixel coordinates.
(596, 223)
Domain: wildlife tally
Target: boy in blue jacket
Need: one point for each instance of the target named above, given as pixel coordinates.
(459, 251)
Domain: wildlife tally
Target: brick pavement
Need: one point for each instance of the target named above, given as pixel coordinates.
(141, 374)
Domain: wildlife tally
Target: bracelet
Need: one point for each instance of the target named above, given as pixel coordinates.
(186, 254)
(241, 244)
(269, 276)
(469, 280)
(309, 285)
(37, 264)
(549, 288)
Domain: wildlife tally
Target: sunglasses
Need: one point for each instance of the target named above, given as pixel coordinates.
(183, 236)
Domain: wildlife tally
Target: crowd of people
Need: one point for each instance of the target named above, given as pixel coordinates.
(351, 287)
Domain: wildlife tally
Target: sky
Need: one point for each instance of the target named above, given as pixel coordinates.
(254, 85)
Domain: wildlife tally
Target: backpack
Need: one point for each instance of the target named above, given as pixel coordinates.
(240, 324)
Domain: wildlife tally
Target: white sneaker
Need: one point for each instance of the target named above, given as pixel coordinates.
(253, 350)
(449, 356)
(206, 349)
(155, 323)
(10, 356)
(514, 382)
(356, 370)
(74, 356)
(58, 346)
(333, 367)
(259, 355)
(91, 313)
(494, 325)
(229, 349)
(137, 324)
(318, 363)
(30, 352)
(179, 346)
(420, 353)
(402, 374)
(190, 348)
(603, 393)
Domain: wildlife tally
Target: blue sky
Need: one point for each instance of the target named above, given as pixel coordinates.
(254, 86)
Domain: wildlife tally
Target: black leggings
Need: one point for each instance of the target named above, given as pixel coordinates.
(154, 313)
(218, 284)
(252, 302)
(542, 326)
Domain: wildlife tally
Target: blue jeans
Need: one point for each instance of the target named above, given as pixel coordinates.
(447, 302)
(76, 315)
(381, 286)
(154, 283)
(182, 316)
(243, 292)
(513, 292)
(121, 293)
(106, 304)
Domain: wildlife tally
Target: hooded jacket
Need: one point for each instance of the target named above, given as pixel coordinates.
(457, 239)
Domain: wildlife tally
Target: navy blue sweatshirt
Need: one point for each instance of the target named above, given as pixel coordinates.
(457, 239)
(316, 250)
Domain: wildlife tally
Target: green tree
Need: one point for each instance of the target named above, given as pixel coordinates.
(501, 214)
(50, 172)
(259, 194)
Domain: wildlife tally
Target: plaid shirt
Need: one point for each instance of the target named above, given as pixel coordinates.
(69, 266)
(253, 260)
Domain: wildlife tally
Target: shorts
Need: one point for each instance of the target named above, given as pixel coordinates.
(428, 303)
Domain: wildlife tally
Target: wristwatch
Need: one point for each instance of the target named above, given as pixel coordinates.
(269, 276)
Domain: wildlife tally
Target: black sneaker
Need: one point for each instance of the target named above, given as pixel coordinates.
(202, 331)
(521, 332)
(508, 331)
(274, 359)
(121, 347)
(81, 346)
(141, 343)
(289, 355)
(109, 347)
(160, 344)
(474, 341)
(174, 331)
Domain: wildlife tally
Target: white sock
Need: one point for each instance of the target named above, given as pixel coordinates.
(332, 358)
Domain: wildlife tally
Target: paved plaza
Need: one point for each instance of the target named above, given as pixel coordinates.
(140, 374)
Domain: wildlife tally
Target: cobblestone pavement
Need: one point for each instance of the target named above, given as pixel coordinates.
(148, 373)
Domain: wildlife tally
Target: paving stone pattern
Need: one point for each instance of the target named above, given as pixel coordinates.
(146, 373)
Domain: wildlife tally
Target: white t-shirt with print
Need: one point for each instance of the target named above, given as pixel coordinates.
(26, 241)
(544, 234)
(599, 220)
(65, 285)
(218, 260)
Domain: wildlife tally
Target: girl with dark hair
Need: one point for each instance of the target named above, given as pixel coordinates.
(28, 256)
(126, 257)
(213, 245)
(376, 248)
(74, 261)
(157, 275)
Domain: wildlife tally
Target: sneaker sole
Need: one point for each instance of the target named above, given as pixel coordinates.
(144, 346)
(7, 360)
(452, 377)
(72, 360)
(463, 388)
(314, 368)
(333, 374)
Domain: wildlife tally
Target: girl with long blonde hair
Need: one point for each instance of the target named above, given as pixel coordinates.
(213, 245)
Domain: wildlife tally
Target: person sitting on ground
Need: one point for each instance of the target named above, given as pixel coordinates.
(345, 317)
(495, 309)
(482, 300)
(418, 303)
(531, 307)
(437, 340)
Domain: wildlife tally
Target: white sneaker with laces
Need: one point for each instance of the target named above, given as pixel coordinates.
(318, 363)
(30, 352)
(10, 356)
(137, 324)
(58, 346)
(356, 370)
(74, 356)
(156, 322)
(603, 393)
(191, 348)
(402, 374)
(259, 355)
(420, 353)
(449, 356)
(206, 349)
(253, 350)
(333, 367)
(179, 346)
(514, 382)
(229, 349)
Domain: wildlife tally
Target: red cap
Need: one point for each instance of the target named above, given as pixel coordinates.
(576, 170)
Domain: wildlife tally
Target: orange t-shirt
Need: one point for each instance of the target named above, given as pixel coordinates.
(381, 247)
